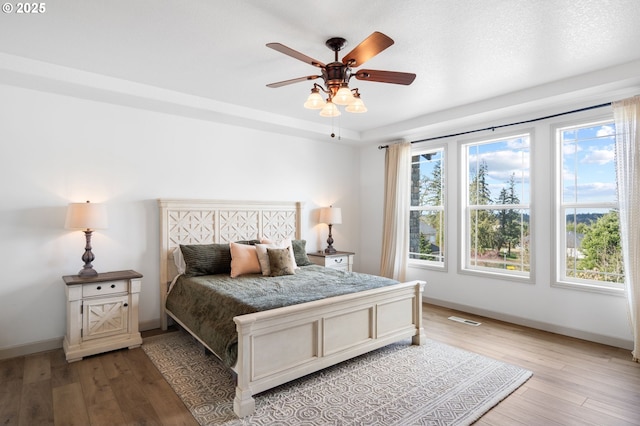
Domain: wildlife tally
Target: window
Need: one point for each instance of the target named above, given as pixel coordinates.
(496, 196)
(588, 237)
(427, 212)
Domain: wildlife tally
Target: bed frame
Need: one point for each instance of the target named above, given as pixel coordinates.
(280, 345)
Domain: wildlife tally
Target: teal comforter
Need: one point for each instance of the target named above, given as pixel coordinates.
(207, 304)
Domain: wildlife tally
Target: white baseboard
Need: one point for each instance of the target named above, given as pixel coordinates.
(31, 348)
(539, 325)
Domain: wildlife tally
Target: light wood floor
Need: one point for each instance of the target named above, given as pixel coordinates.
(574, 382)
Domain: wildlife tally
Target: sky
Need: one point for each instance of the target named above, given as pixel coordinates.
(504, 158)
(589, 154)
(588, 168)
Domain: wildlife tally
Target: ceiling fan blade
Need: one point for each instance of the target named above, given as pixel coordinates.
(366, 50)
(386, 76)
(295, 54)
(293, 80)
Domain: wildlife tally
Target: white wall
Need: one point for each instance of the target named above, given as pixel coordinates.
(57, 149)
(592, 316)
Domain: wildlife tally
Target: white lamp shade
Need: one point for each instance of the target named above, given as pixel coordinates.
(86, 216)
(331, 215)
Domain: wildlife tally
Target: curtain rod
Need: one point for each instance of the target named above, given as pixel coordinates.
(493, 128)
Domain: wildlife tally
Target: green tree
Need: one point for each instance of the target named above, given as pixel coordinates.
(434, 196)
(482, 221)
(433, 187)
(601, 248)
(425, 248)
(509, 224)
(479, 192)
(580, 228)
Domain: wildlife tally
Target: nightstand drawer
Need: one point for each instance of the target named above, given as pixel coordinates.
(337, 262)
(341, 260)
(104, 288)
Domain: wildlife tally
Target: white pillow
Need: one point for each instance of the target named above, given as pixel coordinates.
(263, 256)
(280, 244)
(181, 266)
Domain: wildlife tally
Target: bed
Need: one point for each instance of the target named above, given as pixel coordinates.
(283, 343)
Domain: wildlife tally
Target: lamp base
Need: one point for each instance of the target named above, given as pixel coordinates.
(88, 257)
(88, 272)
(330, 248)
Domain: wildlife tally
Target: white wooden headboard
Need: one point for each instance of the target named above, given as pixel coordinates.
(215, 221)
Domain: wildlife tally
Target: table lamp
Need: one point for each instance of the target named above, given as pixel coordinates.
(331, 216)
(87, 216)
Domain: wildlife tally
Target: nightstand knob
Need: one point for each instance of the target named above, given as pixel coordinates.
(125, 305)
(99, 288)
(113, 286)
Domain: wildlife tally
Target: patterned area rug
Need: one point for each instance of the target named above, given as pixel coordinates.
(400, 384)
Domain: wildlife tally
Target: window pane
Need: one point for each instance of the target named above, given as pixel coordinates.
(587, 164)
(500, 239)
(592, 245)
(491, 164)
(426, 179)
(426, 235)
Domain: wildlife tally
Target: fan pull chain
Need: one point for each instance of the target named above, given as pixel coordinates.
(333, 134)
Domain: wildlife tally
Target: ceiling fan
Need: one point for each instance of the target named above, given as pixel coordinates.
(336, 75)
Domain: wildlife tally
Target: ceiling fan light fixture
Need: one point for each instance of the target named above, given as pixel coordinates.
(343, 96)
(314, 101)
(330, 109)
(336, 74)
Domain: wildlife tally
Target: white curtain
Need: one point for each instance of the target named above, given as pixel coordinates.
(627, 119)
(397, 193)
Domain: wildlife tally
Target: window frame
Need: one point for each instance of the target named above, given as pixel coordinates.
(464, 224)
(559, 262)
(418, 149)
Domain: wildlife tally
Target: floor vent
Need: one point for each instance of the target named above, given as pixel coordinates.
(465, 321)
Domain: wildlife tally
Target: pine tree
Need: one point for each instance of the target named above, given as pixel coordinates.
(482, 221)
(509, 223)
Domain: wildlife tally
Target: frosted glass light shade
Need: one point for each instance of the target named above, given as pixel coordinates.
(343, 96)
(86, 216)
(357, 106)
(330, 110)
(331, 215)
(314, 101)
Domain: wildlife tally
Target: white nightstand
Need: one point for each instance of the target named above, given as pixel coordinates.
(342, 260)
(102, 313)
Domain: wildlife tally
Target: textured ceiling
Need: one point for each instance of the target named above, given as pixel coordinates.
(463, 52)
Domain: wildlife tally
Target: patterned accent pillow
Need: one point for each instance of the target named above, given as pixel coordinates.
(287, 242)
(206, 259)
(263, 257)
(300, 252)
(280, 262)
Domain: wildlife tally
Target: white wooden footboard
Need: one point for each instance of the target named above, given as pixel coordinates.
(280, 345)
